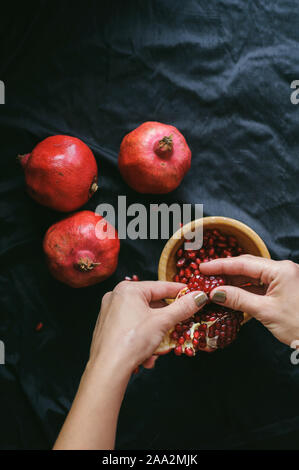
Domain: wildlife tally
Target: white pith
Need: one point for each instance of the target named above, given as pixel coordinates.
(168, 343)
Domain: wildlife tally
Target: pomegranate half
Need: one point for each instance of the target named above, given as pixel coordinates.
(61, 173)
(154, 158)
(213, 327)
(82, 249)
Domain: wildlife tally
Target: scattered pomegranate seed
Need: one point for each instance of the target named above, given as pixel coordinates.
(133, 278)
(39, 326)
(247, 284)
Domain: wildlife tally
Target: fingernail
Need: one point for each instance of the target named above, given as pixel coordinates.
(219, 296)
(200, 299)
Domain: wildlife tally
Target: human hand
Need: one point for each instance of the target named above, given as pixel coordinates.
(133, 321)
(278, 308)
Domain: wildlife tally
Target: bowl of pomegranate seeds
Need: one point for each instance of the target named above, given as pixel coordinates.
(215, 326)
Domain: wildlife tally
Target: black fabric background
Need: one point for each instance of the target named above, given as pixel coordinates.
(218, 70)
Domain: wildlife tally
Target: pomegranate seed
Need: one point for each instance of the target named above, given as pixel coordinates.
(195, 342)
(193, 265)
(178, 350)
(135, 277)
(216, 233)
(181, 340)
(187, 334)
(179, 253)
(203, 327)
(181, 262)
(188, 273)
(39, 326)
(175, 335)
(189, 352)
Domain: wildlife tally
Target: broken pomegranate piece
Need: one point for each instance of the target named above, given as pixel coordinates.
(215, 326)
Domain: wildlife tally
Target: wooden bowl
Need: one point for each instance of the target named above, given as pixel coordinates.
(248, 239)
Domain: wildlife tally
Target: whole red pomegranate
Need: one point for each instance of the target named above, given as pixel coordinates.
(82, 249)
(61, 172)
(154, 158)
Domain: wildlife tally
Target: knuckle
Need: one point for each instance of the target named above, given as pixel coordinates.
(290, 267)
(187, 305)
(246, 256)
(235, 300)
(122, 286)
(106, 297)
(125, 287)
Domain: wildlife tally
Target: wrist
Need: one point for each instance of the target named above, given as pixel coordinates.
(107, 371)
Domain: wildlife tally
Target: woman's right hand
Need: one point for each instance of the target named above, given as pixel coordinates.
(278, 308)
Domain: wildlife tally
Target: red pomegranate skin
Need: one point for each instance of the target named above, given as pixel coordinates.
(75, 255)
(154, 158)
(61, 173)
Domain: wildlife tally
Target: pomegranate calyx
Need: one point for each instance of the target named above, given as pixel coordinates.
(93, 188)
(85, 264)
(23, 159)
(164, 146)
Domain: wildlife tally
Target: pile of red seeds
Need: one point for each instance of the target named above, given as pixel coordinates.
(215, 245)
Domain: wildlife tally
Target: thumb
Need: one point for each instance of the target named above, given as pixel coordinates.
(182, 308)
(240, 299)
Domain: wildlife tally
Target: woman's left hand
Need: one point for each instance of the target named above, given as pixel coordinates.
(133, 321)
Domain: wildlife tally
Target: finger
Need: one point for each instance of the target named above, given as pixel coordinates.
(235, 298)
(181, 309)
(106, 299)
(157, 290)
(245, 265)
(150, 362)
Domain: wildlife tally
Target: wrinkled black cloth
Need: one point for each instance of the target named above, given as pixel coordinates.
(221, 72)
